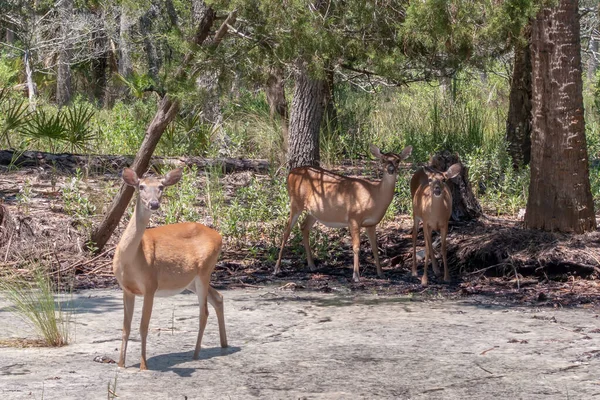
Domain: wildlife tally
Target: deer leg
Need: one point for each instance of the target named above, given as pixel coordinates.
(428, 253)
(414, 245)
(128, 305)
(444, 233)
(216, 300)
(308, 223)
(355, 234)
(434, 262)
(373, 240)
(145, 322)
(286, 234)
(202, 293)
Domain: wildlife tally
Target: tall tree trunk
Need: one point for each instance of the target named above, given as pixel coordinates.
(125, 23)
(305, 119)
(559, 192)
(592, 66)
(149, 47)
(31, 88)
(518, 122)
(278, 107)
(63, 78)
(99, 68)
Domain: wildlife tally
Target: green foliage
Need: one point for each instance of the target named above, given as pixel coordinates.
(78, 131)
(35, 303)
(138, 84)
(10, 67)
(182, 201)
(77, 204)
(15, 114)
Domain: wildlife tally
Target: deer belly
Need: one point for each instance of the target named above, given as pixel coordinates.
(168, 292)
(334, 224)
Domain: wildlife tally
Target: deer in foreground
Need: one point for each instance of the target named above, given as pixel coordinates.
(164, 261)
(432, 204)
(338, 201)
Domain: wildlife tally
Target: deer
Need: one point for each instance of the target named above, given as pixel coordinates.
(432, 204)
(164, 261)
(338, 201)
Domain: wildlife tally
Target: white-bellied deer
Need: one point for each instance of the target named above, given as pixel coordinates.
(164, 261)
(432, 204)
(338, 201)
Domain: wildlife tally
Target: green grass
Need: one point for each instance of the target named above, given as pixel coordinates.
(38, 303)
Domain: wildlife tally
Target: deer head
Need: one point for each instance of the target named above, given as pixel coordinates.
(150, 189)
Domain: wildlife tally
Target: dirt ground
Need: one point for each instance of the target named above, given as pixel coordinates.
(310, 345)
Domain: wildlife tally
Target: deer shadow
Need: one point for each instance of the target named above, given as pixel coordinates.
(168, 362)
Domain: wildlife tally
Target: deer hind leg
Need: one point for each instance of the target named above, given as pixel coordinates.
(443, 234)
(216, 300)
(307, 225)
(355, 234)
(202, 293)
(434, 262)
(128, 305)
(373, 240)
(294, 214)
(428, 253)
(145, 322)
(414, 245)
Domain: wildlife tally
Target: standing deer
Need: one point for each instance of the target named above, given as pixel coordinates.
(164, 261)
(432, 204)
(338, 201)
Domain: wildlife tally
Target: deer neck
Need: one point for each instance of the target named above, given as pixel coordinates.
(132, 236)
(386, 188)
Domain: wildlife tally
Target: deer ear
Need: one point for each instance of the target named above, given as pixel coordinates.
(406, 153)
(375, 151)
(453, 171)
(130, 177)
(172, 177)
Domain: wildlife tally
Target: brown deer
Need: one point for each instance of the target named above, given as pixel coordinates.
(338, 201)
(432, 204)
(164, 261)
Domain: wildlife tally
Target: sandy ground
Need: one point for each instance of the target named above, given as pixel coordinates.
(290, 345)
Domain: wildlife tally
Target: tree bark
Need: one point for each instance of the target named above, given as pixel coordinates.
(63, 78)
(149, 47)
(126, 21)
(31, 89)
(305, 119)
(518, 122)
(559, 192)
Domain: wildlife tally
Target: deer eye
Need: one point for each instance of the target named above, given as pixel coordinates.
(160, 187)
(142, 187)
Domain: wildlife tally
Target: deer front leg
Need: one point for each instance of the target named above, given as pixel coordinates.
(202, 293)
(355, 234)
(286, 234)
(371, 232)
(145, 322)
(414, 245)
(443, 234)
(128, 306)
(216, 300)
(308, 223)
(428, 253)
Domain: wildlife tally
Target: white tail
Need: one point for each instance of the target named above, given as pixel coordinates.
(338, 201)
(432, 204)
(164, 261)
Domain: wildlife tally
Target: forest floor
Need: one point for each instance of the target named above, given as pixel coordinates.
(493, 256)
(518, 320)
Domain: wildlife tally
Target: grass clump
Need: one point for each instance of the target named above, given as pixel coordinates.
(35, 301)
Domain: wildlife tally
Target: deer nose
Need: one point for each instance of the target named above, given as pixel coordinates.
(154, 204)
(437, 191)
